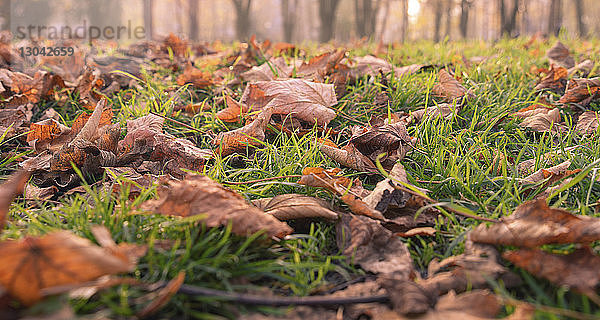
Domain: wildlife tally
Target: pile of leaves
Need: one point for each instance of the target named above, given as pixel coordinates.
(122, 156)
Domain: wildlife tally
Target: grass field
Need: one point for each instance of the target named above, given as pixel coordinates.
(456, 159)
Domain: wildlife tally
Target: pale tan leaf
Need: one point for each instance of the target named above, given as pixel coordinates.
(276, 68)
(588, 122)
(559, 54)
(295, 206)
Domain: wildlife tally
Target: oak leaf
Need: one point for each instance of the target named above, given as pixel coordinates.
(199, 195)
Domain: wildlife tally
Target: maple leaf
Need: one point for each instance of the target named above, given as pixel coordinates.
(559, 54)
(14, 186)
(581, 91)
(449, 89)
(199, 195)
(533, 224)
(304, 100)
(295, 206)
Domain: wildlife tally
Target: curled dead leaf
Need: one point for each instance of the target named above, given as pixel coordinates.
(449, 88)
(560, 55)
(295, 206)
(555, 80)
(588, 122)
(199, 195)
(533, 224)
(581, 91)
(12, 187)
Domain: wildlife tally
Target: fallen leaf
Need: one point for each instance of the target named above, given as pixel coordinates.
(241, 139)
(391, 139)
(199, 195)
(555, 80)
(162, 297)
(350, 157)
(533, 224)
(304, 100)
(553, 174)
(295, 206)
(443, 110)
(423, 231)
(470, 270)
(232, 111)
(319, 66)
(581, 91)
(374, 248)
(59, 258)
(45, 132)
(559, 54)
(275, 68)
(543, 120)
(449, 89)
(37, 193)
(588, 122)
(179, 153)
(198, 78)
(12, 187)
(143, 128)
(577, 270)
(583, 68)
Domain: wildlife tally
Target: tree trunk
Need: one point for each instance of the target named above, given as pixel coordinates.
(581, 29)
(366, 16)
(404, 25)
(386, 15)
(438, 6)
(448, 18)
(555, 17)
(242, 18)
(288, 15)
(508, 23)
(148, 25)
(465, 5)
(327, 10)
(193, 15)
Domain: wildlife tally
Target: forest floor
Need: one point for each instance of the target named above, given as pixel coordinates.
(480, 129)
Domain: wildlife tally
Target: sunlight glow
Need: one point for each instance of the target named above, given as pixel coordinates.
(414, 6)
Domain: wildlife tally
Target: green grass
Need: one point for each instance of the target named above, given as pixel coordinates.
(456, 154)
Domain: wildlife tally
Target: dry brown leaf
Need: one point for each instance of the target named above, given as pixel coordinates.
(198, 78)
(583, 68)
(449, 89)
(578, 270)
(543, 120)
(143, 128)
(533, 224)
(423, 231)
(178, 153)
(12, 187)
(12, 122)
(391, 139)
(232, 111)
(472, 269)
(199, 195)
(553, 174)
(304, 100)
(162, 297)
(588, 123)
(295, 206)
(560, 55)
(555, 80)
(275, 68)
(443, 110)
(59, 258)
(319, 66)
(79, 122)
(37, 193)
(241, 139)
(374, 248)
(581, 91)
(43, 133)
(350, 157)
(410, 69)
